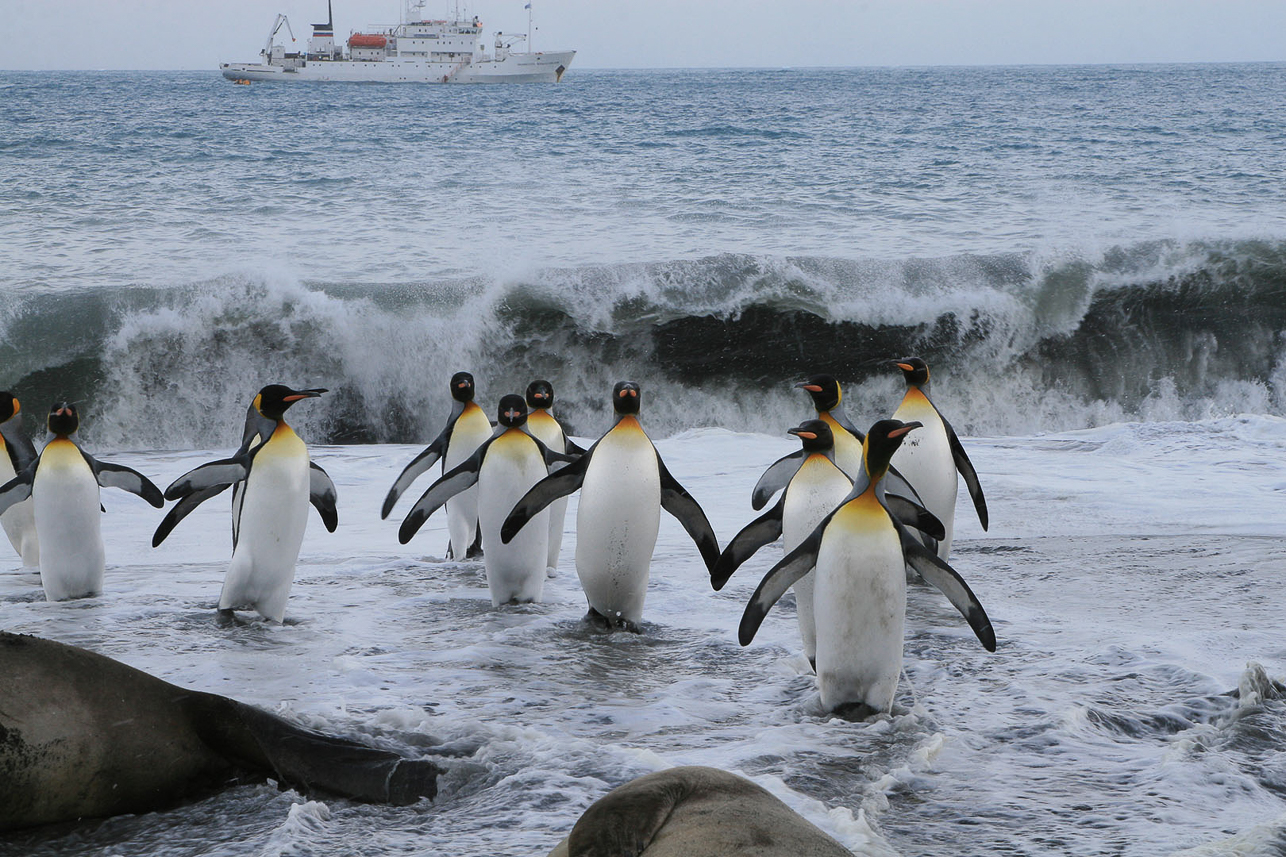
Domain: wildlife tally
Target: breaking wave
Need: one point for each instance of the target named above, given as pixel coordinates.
(1018, 343)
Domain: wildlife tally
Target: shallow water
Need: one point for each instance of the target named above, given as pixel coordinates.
(1132, 572)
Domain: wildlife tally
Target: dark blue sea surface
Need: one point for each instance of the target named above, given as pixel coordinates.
(1067, 246)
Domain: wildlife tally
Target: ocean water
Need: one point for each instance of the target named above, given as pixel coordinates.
(1092, 259)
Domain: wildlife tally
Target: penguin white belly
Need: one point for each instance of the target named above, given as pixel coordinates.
(472, 429)
(64, 497)
(19, 520)
(617, 521)
(550, 433)
(515, 571)
(816, 489)
(274, 514)
(925, 460)
(860, 607)
(848, 449)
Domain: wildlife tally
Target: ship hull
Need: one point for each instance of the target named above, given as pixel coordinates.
(545, 67)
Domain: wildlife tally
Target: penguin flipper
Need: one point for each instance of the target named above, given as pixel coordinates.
(571, 447)
(447, 486)
(22, 452)
(912, 514)
(560, 483)
(763, 530)
(676, 500)
(322, 494)
(949, 583)
(418, 465)
(779, 578)
(17, 489)
(775, 478)
(225, 471)
(965, 466)
(896, 483)
(182, 509)
(126, 478)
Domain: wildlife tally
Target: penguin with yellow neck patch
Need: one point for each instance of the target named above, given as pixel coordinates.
(815, 488)
(931, 459)
(467, 428)
(859, 554)
(276, 481)
(19, 520)
(503, 468)
(545, 428)
(63, 483)
(624, 485)
(827, 396)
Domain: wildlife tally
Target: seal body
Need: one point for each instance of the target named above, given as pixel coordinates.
(694, 812)
(84, 736)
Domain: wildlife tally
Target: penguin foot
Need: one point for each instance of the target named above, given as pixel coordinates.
(474, 552)
(854, 712)
(226, 617)
(599, 622)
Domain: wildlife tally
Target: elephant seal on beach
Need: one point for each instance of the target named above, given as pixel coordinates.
(84, 736)
(694, 812)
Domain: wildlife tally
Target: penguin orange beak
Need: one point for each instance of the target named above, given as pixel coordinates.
(806, 435)
(905, 367)
(631, 393)
(898, 432)
(812, 388)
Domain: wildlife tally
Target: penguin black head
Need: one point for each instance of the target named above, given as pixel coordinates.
(540, 394)
(914, 370)
(815, 434)
(513, 411)
(273, 400)
(462, 387)
(63, 419)
(881, 442)
(824, 390)
(626, 398)
(8, 405)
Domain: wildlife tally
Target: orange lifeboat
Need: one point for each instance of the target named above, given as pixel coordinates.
(361, 40)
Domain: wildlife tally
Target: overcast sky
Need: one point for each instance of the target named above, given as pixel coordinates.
(199, 34)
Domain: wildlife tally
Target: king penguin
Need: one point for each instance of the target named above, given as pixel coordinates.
(280, 481)
(63, 483)
(546, 429)
(467, 428)
(860, 552)
(814, 487)
(20, 520)
(624, 485)
(931, 458)
(504, 468)
(827, 396)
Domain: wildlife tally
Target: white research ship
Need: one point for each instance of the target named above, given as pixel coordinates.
(415, 51)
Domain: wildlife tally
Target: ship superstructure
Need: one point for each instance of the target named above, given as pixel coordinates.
(415, 51)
